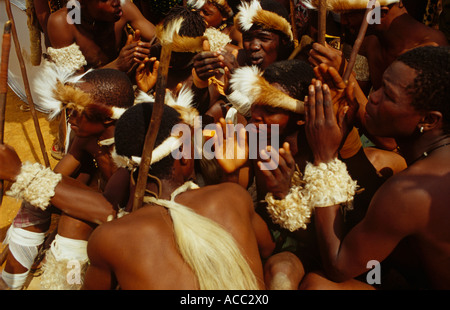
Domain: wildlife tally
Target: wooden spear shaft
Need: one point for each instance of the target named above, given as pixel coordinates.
(322, 22)
(153, 127)
(6, 47)
(357, 45)
(26, 83)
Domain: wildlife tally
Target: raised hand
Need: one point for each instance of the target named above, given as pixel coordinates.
(277, 170)
(323, 129)
(230, 150)
(342, 95)
(147, 74)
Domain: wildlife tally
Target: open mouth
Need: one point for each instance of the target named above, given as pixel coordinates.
(256, 60)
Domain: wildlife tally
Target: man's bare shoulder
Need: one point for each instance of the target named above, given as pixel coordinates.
(60, 31)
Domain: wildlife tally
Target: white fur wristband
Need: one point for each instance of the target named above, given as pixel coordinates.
(292, 212)
(329, 184)
(35, 184)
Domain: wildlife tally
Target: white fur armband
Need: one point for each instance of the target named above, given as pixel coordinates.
(292, 212)
(35, 184)
(70, 57)
(329, 184)
(322, 186)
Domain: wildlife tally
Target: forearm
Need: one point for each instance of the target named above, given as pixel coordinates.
(81, 202)
(329, 230)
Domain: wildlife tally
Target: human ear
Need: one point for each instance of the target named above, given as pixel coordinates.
(431, 120)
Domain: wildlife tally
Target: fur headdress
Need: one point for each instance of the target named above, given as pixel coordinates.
(222, 4)
(345, 5)
(56, 89)
(183, 105)
(184, 44)
(169, 35)
(248, 86)
(252, 13)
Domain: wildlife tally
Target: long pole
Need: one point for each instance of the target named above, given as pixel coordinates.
(322, 22)
(26, 83)
(6, 47)
(357, 45)
(153, 127)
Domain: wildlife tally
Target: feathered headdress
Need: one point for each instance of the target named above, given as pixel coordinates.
(345, 5)
(183, 105)
(223, 4)
(249, 87)
(253, 14)
(56, 89)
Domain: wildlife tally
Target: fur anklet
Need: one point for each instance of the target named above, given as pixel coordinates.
(35, 184)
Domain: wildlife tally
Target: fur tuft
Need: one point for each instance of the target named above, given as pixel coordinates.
(345, 5)
(45, 83)
(247, 12)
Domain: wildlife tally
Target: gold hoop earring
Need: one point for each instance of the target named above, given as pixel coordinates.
(421, 129)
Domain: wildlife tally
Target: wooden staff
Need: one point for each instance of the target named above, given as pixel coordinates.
(322, 22)
(293, 25)
(6, 47)
(153, 128)
(357, 45)
(26, 83)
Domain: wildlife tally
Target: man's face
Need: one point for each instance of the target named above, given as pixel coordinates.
(261, 47)
(267, 115)
(212, 15)
(352, 21)
(104, 10)
(84, 127)
(389, 112)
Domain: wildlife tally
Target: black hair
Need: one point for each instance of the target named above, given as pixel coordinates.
(293, 75)
(430, 88)
(110, 87)
(193, 26)
(131, 130)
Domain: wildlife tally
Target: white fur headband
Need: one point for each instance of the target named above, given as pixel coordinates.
(252, 13)
(249, 87)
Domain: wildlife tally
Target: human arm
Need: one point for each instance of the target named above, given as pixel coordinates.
(70, 196)
(137, 21)
(99, 275)
(377, 234)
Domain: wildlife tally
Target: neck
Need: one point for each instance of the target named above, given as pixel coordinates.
(398, 27)
(165, 188)
(423, 146)
(107, 133)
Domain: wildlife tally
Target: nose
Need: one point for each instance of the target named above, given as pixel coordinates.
(255, 45)
(115, 3)
(375, 97)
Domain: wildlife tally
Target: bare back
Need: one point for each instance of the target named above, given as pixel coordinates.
(141, 250)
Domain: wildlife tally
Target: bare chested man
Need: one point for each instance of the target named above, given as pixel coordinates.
(396, 33)
(407, 220)
(100, 32)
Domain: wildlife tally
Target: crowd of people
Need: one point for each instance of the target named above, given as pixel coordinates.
(292, 179)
